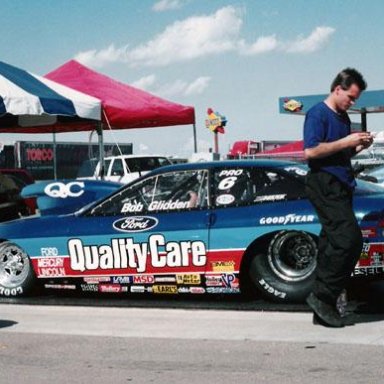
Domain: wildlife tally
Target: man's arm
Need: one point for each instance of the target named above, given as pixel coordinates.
(357, 141)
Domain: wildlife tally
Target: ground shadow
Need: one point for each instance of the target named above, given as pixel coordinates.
(7, 323)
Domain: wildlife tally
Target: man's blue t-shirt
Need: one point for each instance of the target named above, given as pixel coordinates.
(323, 125)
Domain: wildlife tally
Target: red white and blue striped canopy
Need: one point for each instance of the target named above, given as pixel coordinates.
(29, 103)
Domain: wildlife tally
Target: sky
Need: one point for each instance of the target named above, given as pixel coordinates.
(236, 57)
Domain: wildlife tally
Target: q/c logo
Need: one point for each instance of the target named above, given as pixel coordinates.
(62, 191)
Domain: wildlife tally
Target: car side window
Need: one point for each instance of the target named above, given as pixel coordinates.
(117, 168)
(172, 191)
(251, 185)
(278, 185)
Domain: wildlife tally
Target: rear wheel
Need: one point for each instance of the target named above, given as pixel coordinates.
(16, 272)
(285, 271)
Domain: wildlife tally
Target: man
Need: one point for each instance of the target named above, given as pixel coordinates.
(328, 147)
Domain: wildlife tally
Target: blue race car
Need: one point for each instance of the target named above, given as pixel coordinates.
(217, 227)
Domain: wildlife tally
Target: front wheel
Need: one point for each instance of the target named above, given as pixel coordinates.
(16, 272)
(285, 271)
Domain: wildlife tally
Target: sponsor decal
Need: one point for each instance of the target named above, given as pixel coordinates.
(165, 279)
(299, 171)
(272, 290)
(260, 199)
(369, 232)
(223, 266)
(121, 279)
(138, 289)
(132, 208)
(231, 172)
(368, 271)
(51, 267)
(89, 287)
(135, 224)
(292, 105)
(188, 279)
(96, 279)
(214, 281)
(183, 290)
(230, 281)
(365, 251)
(196, 290)
(225, 199)
(291, 218)
(222, 290)
(165, 205)
(50, 262)
(11, 291)
(126, 253)
(169, 289)
(143, 279)
(60, 286)
(110, 288)
(49, 251)
(64, 190)
(376, 259)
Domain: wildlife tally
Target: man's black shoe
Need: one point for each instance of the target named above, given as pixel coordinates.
(324, 313)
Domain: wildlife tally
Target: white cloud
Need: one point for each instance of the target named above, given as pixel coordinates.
(180, 87)
(145, 82)
(262, 45)
(198, 86)
(184, 40)
(166, 5)
(177, 88)
(190, 39)
(203, 36)
(313, 42)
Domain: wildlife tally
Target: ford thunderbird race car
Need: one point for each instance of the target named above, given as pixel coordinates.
(218, 227)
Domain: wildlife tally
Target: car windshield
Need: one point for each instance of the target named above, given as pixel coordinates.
(144, 164)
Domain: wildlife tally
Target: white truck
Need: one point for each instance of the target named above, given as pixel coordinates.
(122, 169)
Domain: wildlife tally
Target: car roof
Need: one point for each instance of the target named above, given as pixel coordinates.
(261, 163)
(132, 157)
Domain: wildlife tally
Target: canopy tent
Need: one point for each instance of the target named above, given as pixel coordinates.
(33, 104)
(368, 102)
(123, 105)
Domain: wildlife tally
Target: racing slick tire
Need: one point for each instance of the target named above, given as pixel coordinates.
(16, 273)
(285, 272)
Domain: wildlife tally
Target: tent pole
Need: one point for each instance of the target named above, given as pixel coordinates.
(194, 138)
(54, 155)
(363, 119)
(99, 128)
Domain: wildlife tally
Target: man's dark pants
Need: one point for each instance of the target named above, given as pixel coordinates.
(340, 240)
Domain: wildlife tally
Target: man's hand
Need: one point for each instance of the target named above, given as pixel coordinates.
(357, 141)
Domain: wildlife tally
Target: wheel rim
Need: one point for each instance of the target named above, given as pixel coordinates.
(14, 266)
(292, 256)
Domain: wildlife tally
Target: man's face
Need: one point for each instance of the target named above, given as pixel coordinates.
(346, 98)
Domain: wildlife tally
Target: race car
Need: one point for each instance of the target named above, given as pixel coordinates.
(215, 228)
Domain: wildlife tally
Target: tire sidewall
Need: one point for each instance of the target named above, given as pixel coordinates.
(25, 286)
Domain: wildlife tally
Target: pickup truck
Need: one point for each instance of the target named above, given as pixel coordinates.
(122, 169)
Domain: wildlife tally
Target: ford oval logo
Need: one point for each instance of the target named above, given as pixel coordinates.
(135, 224)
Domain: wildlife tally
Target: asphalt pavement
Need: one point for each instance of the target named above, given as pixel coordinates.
(96, 344)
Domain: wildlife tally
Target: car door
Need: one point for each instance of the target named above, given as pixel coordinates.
(152, 232)
(249, 202)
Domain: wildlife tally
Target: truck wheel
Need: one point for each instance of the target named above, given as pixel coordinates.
(285, 272)
(16, 273)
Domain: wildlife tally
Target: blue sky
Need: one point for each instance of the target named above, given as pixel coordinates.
(237, 57)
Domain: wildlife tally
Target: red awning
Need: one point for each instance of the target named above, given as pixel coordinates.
(123, 105)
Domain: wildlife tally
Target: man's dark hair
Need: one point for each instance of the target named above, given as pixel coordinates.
(347, 77)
